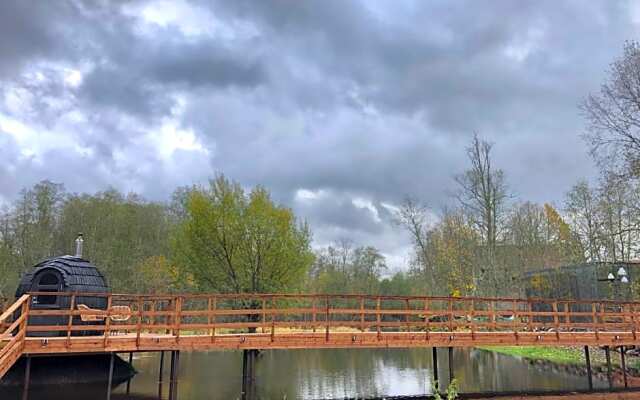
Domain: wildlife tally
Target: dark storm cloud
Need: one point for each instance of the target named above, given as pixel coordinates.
(361, 100)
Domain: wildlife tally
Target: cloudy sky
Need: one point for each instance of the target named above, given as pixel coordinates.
(341, 108)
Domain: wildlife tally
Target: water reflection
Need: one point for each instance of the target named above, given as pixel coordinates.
(322, 374)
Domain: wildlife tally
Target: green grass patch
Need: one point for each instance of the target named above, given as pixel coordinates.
(560, 355)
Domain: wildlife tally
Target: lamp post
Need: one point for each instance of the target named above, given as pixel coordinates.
(621, 277)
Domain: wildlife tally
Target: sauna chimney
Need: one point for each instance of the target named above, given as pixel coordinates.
(79, 242)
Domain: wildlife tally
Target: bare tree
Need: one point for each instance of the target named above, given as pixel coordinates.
(415, 218)
(613, 115)
(581, 206)
(483, 192)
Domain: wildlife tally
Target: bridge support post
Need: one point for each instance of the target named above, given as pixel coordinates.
(434, 352)
(110, 378)
(587, 359)
(173, 382)
(451, 377)
(160, 374)
(129, 381)
(27, 379)
(607, 353)
(623, 365)
(249, 374)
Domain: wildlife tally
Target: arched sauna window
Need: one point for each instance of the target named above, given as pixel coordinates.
(48, 281)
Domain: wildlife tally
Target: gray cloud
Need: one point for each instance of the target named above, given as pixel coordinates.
(362, 100)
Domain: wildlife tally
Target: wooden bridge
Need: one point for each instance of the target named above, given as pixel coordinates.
(137, 323)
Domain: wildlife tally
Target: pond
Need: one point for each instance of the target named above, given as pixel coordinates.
(323, 374)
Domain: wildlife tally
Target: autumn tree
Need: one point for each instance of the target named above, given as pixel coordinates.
(232, 241)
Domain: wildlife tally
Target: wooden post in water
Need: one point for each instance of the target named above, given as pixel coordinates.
(248, 374)
(161, 366)
(27, 379)
(173, 380)
(451, 377)
(131, 364)
(245, 361)
(607, 353)
(160, 374)
(434, 352)
(110, 378)
(623, 365)
(587, 359)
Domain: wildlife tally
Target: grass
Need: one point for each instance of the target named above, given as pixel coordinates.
(559, 355)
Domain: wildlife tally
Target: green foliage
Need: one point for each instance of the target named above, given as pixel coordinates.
(341, 268)
(452, 390)
(232, 241)
(560, 355)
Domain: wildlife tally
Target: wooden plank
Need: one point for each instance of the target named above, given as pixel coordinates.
(14, 307)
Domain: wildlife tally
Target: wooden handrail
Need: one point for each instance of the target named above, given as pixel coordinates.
(183, 319)
(14, 335)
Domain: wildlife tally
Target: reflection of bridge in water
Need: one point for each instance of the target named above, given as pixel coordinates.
(144, 323)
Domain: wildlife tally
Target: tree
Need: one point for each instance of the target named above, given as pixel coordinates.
(453, 247)
(121, 232)
(415, 218)
(620, 223)
(231, 241)
(342, 268)
(35, 223)
(581, 207)
(613, 115)
(482, 196)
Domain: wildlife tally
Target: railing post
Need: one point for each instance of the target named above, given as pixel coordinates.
(515, 319)
(107, 322)
(529, 316)
(594, 317)
(72, 306)
(273, 319)
(556, 320)
(492, 312)
(426, 319)
(26, 306)
(472, 324)
(378, 319)
(178, 318)
(362, 314)
(406, 316)
(139, 327)
(314, 312)
(326, 337)
(213, 317)
(264, 315)
(623, 365)
(632, 306)
(450, 315)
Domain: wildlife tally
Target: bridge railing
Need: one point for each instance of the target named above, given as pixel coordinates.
(280, 314)
(13, 334)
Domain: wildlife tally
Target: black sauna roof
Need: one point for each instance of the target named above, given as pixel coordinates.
(78, 275)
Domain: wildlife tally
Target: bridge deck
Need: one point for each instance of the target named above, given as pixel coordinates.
(278, 321)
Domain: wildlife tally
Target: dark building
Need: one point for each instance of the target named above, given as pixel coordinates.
(70, 274)
(590, 281)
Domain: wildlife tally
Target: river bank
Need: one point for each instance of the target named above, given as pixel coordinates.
(571, 359)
